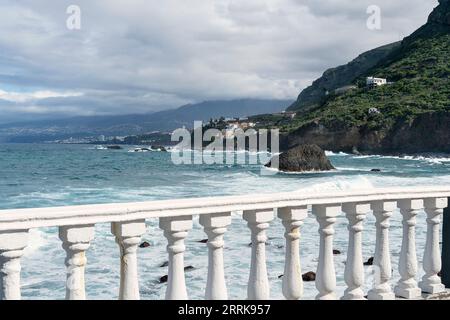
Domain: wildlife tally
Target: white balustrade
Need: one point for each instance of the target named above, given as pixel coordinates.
(354, 267)
(326, 274)
(128, 225)
(215, 226)
(75, 241)
(12, 245)
(382, 290)
(258, 283)
(128, 237)
(407, 286)
(431, 282)
(176, 230)
(292, 219)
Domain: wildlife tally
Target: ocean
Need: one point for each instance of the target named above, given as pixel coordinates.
(45, 175)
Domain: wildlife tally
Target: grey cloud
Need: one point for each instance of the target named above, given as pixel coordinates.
(147, 55)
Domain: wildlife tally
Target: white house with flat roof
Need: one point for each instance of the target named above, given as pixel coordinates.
(372, 82)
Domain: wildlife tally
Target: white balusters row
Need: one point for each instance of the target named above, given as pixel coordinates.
(128, 237)
(215, 226)
(354, 268)
(382, 290)
(431, 282)
(258, 283)
(76, 240)
(12, 245)
(176, 230)
(326, 274)
(292, 219)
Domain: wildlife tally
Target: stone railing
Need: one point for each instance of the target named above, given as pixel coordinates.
(76, 231)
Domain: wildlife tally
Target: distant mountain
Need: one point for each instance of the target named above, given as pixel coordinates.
(168, 120)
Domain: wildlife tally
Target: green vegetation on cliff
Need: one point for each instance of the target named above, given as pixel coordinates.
(421, 76)
(419, 69)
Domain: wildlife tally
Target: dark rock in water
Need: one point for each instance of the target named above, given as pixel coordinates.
(114, 147)
(203, 241)
(144, 244)
(369, 262)
(375, 170)
(335, 251)
(303, 158)
(164, 264)
(159, 148)
(163, 279)
(267, 244)
(309, 276)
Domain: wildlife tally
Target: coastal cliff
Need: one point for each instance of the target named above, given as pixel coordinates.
(409, 115)
(428, 132)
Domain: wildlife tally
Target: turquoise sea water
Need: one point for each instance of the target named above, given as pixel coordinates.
(33, 175)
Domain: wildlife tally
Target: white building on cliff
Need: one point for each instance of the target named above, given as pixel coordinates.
(372, 82)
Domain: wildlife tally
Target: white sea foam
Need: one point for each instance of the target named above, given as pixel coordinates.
(341, 183)
(99, 148)
(331, 153)
(434, 160)
(36, 239)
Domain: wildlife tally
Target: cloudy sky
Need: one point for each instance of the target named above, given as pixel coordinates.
(136, 56)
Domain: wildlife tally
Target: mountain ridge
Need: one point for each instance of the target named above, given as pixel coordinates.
(334, 78)
(168, 120)
(411, 115)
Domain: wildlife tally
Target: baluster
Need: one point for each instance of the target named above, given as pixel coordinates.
(407, 285)
(382, 259)
(128, 236)
(76, 240)
(292, 219)
(354, 268)
(258, 283)
(215, 226)
(12, 245)
(326, 274)
(176, 230)
(431, 282)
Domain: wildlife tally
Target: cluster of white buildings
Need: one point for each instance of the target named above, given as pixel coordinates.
(233, 125)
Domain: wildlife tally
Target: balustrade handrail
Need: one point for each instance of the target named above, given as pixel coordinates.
(19, 219)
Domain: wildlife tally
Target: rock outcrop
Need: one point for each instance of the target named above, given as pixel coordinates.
(309, 276)
(428, 132)
(303, 158)
(441, 14)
